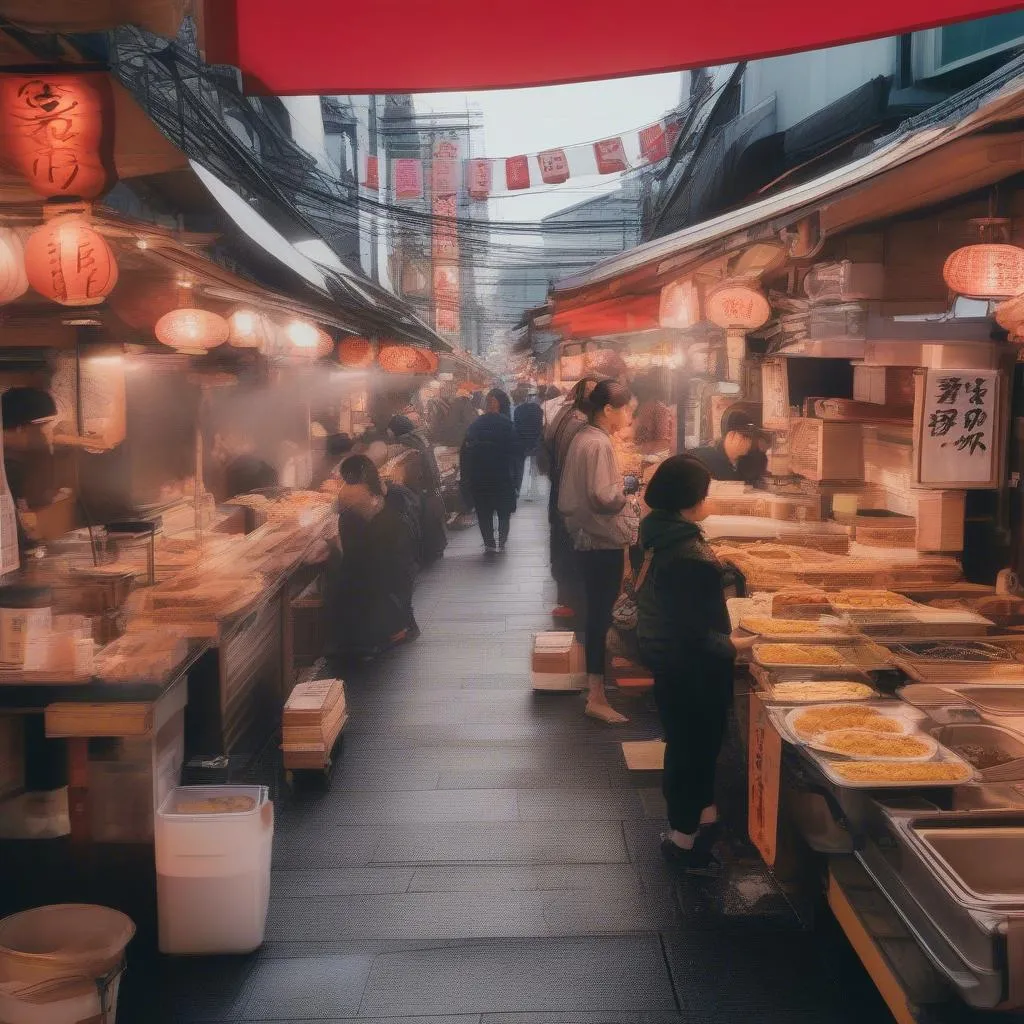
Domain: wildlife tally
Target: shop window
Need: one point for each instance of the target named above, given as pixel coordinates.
(945, 49)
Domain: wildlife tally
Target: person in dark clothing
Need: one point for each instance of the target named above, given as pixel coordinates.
(423, 478)
(370, 581)
(685, 639)
(489, 469)
(529, 422)
(247, 474)
(729, 459)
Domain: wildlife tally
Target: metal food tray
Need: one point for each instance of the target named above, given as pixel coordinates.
(951, 673)
(966, 652)
(921, 624)
(859, 655)
(831, 633)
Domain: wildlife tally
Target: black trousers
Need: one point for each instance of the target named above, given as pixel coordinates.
(602, 578)
(694, 709)
(486, 509)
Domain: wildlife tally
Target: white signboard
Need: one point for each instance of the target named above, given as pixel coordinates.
(959, 428)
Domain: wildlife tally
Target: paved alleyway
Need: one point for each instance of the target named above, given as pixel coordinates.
(482, 855)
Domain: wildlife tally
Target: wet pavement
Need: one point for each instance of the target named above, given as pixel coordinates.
(482, 856)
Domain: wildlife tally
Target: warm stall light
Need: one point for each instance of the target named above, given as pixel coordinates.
(309, 338)
(13, 281)
(193, 331)
(985, 271)
(57, 129)
(70, 262)
(679, 305)
(248, 329)
(355, 352)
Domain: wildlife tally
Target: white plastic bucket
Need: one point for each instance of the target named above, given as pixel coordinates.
(57, 962)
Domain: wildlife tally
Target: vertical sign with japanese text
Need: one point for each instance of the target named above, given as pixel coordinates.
(445, 238)
(764, 774)
(959, 428)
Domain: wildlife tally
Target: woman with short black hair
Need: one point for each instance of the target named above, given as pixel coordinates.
(686, 640)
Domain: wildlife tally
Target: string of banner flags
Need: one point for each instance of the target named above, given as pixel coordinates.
(483, 178)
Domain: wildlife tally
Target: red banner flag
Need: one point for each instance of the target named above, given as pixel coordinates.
(554, 167)
(446, 176)
(653, 143)
(673, 129)
(517, 173)
(479, 178)
(372, 179)
(408, 179)
(611, 156)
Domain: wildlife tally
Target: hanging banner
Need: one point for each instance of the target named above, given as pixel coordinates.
(408, 178)
(479, 178)
(445, 169)
(445, 238)
(653, 143)
(611, 156)
(371, 179)
(554, 167)
(517, 173)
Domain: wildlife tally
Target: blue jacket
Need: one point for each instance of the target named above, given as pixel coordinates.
(490, 458)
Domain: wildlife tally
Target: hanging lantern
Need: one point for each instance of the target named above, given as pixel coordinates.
(737, 307)
(68, 261)
(248, 329)
(13, 281)
(57, 130)
(192, 331)
(309, 340)
(355, 352)
(985, 271)
(404, 359)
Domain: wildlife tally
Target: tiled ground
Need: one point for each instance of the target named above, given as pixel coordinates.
(482, 855)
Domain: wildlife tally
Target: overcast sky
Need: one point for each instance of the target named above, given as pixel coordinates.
(529, 120)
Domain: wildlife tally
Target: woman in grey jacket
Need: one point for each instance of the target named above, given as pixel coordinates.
(593, 500)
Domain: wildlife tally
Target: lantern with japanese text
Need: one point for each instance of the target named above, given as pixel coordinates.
(70, 262)
(355, 352)
(192, 331)
(985, 271)
(309, 339)
(737, 306)
(57, 130)
(13, 281)
(249, 329)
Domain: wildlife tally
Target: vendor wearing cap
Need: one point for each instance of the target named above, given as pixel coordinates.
(28, 414)
(735, 457)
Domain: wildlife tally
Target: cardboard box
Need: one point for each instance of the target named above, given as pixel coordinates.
(820, 450)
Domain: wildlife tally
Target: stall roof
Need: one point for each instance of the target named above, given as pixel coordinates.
(999, 98)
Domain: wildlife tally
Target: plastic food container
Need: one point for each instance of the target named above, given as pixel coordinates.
(213, 852)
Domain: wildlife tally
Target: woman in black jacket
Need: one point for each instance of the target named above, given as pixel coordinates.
(686, 640)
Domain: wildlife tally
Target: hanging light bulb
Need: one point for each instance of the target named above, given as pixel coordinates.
(248, 329)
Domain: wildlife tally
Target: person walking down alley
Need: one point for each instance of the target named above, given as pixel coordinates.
(489, 469)
(685, 639)
(529, 422)
(423, 477)
(594, 501)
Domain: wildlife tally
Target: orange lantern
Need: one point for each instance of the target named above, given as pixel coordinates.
(193, 331)
(738, 306)
(404, 359)
(70, 262)
(355, 352)
(57, 130)
(309, 339)
(248, 329)
(985, 271)
(13, 282)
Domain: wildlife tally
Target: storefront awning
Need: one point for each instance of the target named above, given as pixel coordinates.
(324, 46)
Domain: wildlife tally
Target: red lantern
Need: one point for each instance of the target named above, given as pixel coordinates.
(554, 167)
(13, 282)
(355, 352)
(611, 156)
(194, 331)
(404, 359)
(309, 339)
(517, 173)
(68, 261)
(57, 130)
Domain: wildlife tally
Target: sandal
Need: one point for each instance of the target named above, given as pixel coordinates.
(604, 713)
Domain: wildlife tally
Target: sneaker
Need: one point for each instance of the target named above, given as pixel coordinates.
(489, 550)
(698, 861)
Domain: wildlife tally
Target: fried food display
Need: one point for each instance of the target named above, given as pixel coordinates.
(871, 600)
(865, 743)
(766, 626)
(809, 692)
(844, 716)
(881, 772)
(799, 654)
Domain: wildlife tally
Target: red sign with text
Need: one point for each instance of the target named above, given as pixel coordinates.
(554, 167)
(611, 156)
(517, 173)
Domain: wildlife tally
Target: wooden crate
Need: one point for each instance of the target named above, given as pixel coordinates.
(884, 385)
(820, 450)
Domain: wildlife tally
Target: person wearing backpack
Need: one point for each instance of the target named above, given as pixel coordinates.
(685, 638)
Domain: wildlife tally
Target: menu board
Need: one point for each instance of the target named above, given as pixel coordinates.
(958, 431)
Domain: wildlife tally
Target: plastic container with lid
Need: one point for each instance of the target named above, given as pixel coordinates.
(213, 853)
(26, 614)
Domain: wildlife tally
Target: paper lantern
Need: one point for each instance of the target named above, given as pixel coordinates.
(355, 352)
(68, 261)
(13, 280)
(57, 130)
(403, 359)
(249, 329)
(986, 271)
(737, 307)
(194, 331)
(308, 339)
(554, 166)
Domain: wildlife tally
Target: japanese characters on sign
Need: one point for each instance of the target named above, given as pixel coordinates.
(554, 167)
(408, 179)
(959, 427)
(445, 237)
(611, 156)
(517, 173)
(479, 176)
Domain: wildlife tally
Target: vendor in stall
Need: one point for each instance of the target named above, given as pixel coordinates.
(28, 414)
(730, 458)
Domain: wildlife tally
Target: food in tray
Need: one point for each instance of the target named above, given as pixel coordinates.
(766, 626)
(870, 600)
(972, 651)
(811, 692)
(788, 599)
(216, 805)
(799, 654)
(867, 743)
(844, 716)
(981, 756)
(882, 772)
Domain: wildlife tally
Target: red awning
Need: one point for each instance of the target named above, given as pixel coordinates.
(343, 46)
